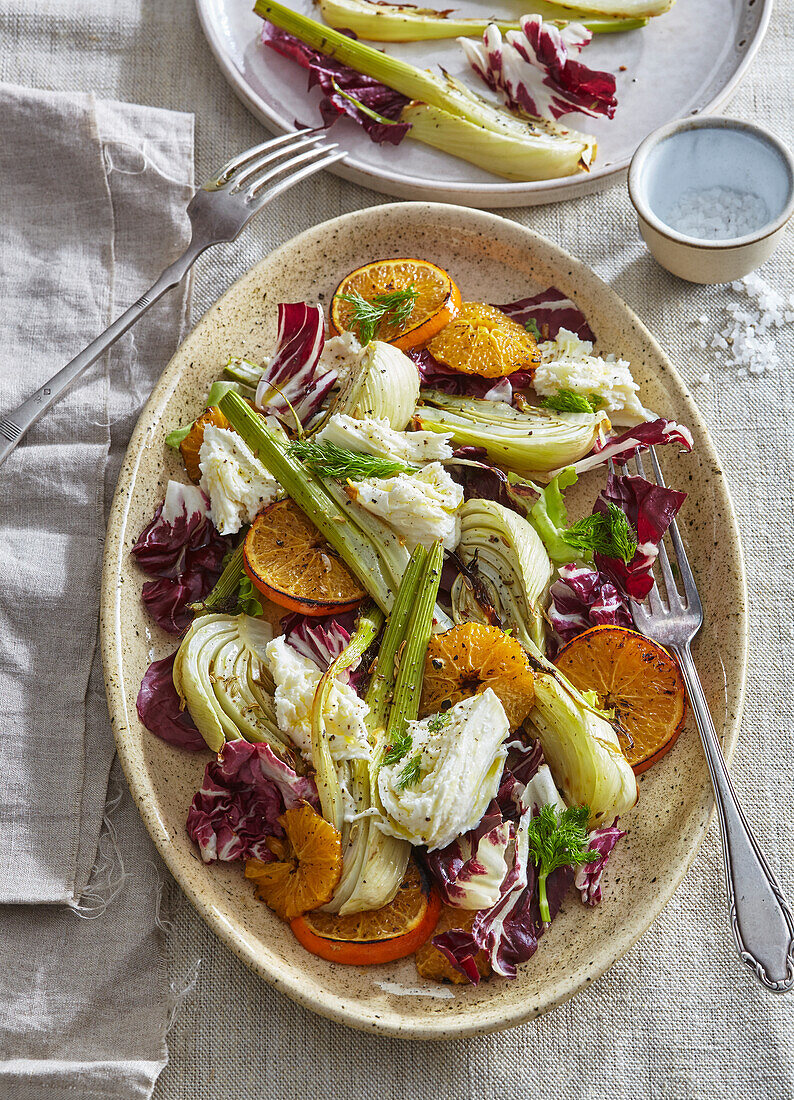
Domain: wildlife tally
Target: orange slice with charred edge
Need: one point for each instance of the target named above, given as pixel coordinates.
(436, 300)
(290, 562)
(468, 659)
(636, 679)
(484, 341)
(378, 935)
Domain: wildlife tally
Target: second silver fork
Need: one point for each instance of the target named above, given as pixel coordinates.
(218, 212)
(761, 919)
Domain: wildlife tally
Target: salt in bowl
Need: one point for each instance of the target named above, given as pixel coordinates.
(712, 196)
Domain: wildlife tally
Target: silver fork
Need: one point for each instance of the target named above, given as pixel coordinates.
(218, 212)
(762, 921)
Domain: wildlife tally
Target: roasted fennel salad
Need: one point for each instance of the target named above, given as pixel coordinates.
(416, 672)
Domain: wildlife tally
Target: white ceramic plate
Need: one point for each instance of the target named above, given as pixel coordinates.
(501, 261)
(685, 62)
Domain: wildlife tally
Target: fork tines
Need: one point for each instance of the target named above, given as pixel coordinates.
(677, 602)
(294, 156)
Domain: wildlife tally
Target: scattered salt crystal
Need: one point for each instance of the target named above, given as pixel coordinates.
(717, 213)
(702, 343)
(704, 378)
(704, 318)
(748, 337)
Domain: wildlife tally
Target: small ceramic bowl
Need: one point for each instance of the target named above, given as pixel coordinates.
(695, 172)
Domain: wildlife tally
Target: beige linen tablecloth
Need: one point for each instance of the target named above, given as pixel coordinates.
(677, 1018)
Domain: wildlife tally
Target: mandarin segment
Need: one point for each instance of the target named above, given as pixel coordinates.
(484, 341)
(436, 303)
(288, 560)
(191, 445)
(433, 964)
(638, 680)
(471, 657)
(307, 868)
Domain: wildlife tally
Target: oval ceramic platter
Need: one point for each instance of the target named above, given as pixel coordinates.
(687, 61)
(496, 260)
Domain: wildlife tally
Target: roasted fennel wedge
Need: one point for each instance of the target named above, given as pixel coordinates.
(221, 673)
(509, 575)
(380, 22)
(530, 441)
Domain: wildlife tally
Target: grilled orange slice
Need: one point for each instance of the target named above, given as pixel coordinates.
(432, 964)
(468, 659)
(436, 302)
(289, 561)
(484, 341)
(378, 936)
(635, 678)
(191, 444)
(308, 865)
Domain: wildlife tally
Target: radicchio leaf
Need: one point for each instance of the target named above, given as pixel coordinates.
(588, 875)
(160, 708)
(321, 640)
(652, 433)
(471, 468)
(243, 793)
(533, 70)
(522, 764)
(345, 92)
(182, 548)
(436, 375)
(509, 930)
(650, 510)
(550, 311)
(582, 598)
(470, 870)
(293, 376)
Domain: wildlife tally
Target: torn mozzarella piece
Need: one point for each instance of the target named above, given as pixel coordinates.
(568, 363)
(234, 479)
(419, 508)
(296, 679)
(375, 436)
(461, 756)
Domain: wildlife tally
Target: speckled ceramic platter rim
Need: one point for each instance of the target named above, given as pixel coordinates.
(676, 799)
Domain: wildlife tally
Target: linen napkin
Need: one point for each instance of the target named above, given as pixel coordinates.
(94, 194)
(93, 209)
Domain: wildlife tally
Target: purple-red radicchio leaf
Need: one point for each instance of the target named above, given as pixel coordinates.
(321, 640)
(588, 875)
(508, 930)
(535, 71)
(184, 551)
(344, 91)
(160, 708)
(550, 311)
(582, 598)
(435, 375)
(480, 479)
(651, 433)
(243, 793)
(470, 870)
(650, 510)
(294, 376)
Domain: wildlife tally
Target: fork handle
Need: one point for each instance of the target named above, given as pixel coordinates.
(762, 921)
(14, 424)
